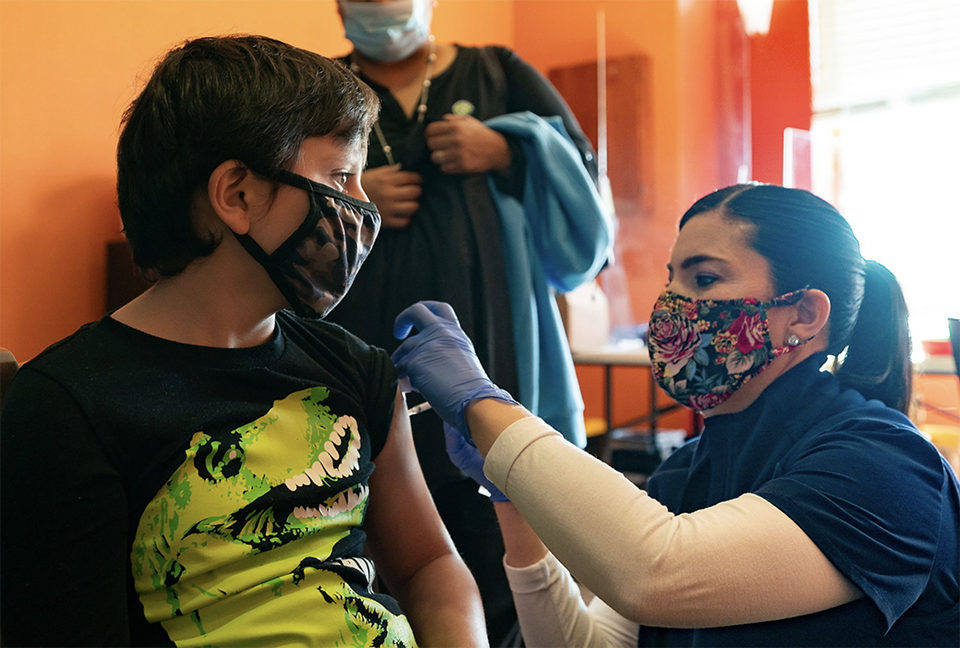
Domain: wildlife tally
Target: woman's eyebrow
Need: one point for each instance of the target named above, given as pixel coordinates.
(699, 258)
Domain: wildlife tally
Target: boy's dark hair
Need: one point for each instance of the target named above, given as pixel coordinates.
(247, 98)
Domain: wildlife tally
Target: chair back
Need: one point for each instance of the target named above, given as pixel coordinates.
(8, 368)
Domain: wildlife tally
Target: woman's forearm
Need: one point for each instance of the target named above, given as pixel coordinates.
(488, 418)
(523, 546)
(551, 610)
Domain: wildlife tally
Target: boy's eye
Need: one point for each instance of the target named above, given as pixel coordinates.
(341, 178)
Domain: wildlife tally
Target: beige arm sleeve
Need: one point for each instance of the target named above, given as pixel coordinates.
(552, 612)
(740, 561)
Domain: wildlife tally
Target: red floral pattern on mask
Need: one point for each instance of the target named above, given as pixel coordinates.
(749, 331)
(702, 351)
(707, 401)
(680, 337)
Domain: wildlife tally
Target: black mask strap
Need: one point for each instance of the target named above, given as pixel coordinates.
(276, 274)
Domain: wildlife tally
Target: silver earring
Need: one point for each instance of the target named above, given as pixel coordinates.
(793, 340)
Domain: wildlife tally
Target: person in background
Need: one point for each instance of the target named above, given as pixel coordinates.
(809, 512)
(197, 467)
(463, 135)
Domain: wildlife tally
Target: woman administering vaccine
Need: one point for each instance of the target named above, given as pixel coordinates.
(810, 511)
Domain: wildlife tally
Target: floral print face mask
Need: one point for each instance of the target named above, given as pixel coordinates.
(704, 350)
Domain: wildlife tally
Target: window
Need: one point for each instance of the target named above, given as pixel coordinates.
(885, 140)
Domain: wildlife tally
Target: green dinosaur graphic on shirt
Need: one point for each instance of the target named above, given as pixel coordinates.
(243, 537)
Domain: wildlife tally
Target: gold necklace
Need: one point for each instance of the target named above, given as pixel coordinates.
(421, 105)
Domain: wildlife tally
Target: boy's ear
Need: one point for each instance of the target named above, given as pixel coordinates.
(229, 190)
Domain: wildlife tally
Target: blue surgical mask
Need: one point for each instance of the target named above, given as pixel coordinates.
(387, 31)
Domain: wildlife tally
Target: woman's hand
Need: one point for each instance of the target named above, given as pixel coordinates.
(396, 193)
(463, 144)
(468, 459)
(441, 363)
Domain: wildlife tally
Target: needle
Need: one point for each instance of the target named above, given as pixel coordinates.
(416, 409)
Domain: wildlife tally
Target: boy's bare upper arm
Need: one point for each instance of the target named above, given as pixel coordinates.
(404, 531)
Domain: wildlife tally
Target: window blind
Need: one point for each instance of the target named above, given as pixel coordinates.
(874, 52)
(885, 139)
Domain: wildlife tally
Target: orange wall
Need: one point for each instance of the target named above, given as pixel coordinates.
(781, 93)
(68, 68)
(556, 34)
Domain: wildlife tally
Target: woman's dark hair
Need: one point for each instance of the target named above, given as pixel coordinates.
(809, 244)
(247, 98)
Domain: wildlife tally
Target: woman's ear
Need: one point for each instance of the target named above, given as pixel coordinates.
(229, 191)
(812, 315)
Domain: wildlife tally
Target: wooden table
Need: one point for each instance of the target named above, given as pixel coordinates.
(632, 355)
(936, 365)
(638, 434)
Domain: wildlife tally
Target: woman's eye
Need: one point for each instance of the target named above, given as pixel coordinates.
(704, 280)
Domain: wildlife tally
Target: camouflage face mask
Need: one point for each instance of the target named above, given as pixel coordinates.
(316, 265)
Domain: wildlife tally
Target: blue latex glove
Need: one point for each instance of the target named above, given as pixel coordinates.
(440, 362)
(468, 459)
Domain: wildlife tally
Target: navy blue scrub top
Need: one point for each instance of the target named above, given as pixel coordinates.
(873, 494)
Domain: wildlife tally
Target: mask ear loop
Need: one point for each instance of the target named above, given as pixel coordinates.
(268, 263)
(787, 299)
(793, 341)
